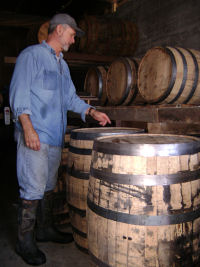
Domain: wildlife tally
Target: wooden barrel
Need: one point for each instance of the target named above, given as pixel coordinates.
(43, 32)
(170, 75)
(121, 83)
(95, 83)
(80, 152)
(60, 206)
(144, 201)
(108, 36)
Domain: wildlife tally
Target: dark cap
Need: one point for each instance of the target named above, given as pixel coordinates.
(66, 19)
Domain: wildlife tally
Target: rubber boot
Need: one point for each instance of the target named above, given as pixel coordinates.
(45, 230)
(26, 246)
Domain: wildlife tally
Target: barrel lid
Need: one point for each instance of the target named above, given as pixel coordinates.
(92, 133)
(148, 145)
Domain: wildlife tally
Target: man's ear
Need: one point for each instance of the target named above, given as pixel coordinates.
(59, 29)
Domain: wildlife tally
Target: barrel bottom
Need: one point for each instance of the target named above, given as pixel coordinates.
(79, 227)
(81, 242)
(116, 244)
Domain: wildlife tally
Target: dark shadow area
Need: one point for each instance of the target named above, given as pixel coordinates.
(9, 185)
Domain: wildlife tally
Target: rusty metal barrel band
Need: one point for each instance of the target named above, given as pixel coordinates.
(147, 150)
(80, 151)
(100, 83)
(194, 86)
(145, 180)
(66, 145)
(78, 211)
(78, 174)
(173, 77)
(135, 89)
(143, 219)
(129, 80)
(185, 71)
(97, 261)
(78, 232)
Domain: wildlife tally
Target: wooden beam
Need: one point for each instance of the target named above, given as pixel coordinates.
(181, 113)
(20, 20)
(76, 59)
(174, 128)
(131, 113)
(154, 113)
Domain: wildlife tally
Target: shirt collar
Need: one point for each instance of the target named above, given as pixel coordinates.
(51, 50)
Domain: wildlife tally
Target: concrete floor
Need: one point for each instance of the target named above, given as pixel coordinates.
(58, 255)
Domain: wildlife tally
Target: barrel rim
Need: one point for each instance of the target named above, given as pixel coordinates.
(81, 134)
(147, 150)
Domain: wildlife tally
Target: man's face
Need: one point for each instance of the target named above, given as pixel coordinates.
(67, 38)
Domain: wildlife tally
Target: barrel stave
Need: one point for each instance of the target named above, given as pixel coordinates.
(154, 225)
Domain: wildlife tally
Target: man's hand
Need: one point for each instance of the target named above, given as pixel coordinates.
(32, 139)
(99, 116)
(30, 135)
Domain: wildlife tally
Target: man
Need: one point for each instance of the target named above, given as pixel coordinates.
(41, 93)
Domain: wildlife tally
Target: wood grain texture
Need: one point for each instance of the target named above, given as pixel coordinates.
(79, 161)
(95, 83)
(121, 83)
(170, 75)
(115, 242)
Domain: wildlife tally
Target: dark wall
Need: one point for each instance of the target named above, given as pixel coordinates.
(12, 41)
(161, 23)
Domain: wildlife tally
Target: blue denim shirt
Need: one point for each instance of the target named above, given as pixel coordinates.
(41, 86)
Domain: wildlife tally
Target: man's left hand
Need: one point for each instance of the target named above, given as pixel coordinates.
(99, 116)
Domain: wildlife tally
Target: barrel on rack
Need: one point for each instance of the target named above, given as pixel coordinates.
(144, 201)
(108, 36)
(43, 32)
(95, 83)
(80, 152)
(60, 206)
(170, 75)
(121, 83)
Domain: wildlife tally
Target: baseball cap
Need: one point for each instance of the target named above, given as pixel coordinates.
(66, 19)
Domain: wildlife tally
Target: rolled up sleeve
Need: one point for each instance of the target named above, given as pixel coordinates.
(19, 91)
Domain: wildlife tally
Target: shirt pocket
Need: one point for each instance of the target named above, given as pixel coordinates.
(50, 80)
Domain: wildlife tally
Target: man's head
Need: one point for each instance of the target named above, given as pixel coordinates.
(64, 19)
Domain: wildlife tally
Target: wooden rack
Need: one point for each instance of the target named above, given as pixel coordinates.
(179, 119)
(174, 119)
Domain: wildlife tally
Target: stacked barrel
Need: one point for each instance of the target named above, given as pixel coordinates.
(60, 205)
(165, 75)
(170, 75)
(78, 169)
(134, 197)
(117, 85)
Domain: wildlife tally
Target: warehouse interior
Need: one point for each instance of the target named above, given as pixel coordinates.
(149, 24)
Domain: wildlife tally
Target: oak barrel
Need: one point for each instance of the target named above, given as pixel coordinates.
(60, 205)
(170, 75)
(80, 153)
(95, 83)
(143, 204)
(121, 82)
(108, 36)
(43, 32)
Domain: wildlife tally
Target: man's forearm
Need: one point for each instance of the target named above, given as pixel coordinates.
(31, 137)
(25, 122)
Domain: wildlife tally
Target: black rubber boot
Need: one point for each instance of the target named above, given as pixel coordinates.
(26, 246)
(45, 229)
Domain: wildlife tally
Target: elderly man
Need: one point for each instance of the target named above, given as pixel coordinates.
(41, 93)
